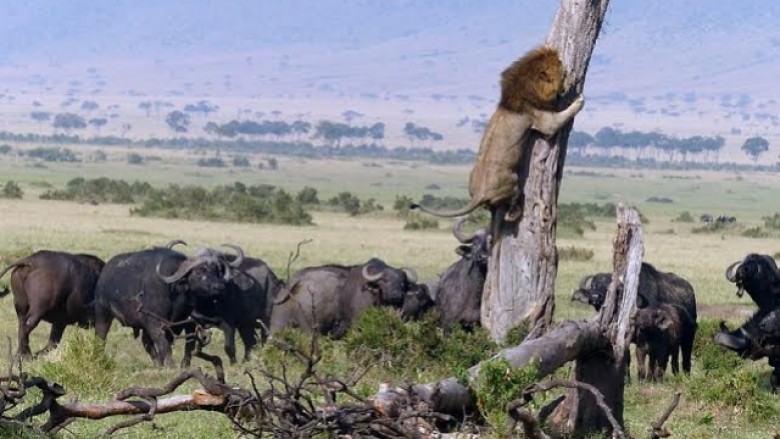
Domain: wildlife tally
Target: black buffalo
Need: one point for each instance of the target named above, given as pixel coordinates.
(657, 335)
(328, 298)
(245, 305)
(150, 289)
(56, 287)
(655, 289)
(459, 291)
(758, 337)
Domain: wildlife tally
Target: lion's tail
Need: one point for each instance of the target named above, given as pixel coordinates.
(473, 204)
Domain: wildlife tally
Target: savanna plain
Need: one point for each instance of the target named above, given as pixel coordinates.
(724, 397)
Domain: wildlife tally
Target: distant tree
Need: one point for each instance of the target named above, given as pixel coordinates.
(211, 128)
(12, 190)
(755, 146)
(99, 156)
(89, 106)
(98, 123)
(146, 106)
(273, 164)
(37, 104)
(5, 149)
(40, 117)
(134, 158)
(178, 121)
(300, 128)
(124, 129)
(69, 122)
(351, 115)
(415, 132)
(203, 107)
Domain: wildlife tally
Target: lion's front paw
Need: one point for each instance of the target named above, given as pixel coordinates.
(579, 103)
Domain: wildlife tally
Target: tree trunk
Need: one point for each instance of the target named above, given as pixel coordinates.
(521, 275)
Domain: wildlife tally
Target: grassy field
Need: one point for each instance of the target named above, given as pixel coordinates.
(31, 224)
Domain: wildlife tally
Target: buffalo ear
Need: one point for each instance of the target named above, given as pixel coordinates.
(663, 322)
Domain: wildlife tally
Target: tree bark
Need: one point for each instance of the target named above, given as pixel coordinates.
(521, 274)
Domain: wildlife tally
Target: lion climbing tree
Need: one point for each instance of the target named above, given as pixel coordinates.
(521, 273)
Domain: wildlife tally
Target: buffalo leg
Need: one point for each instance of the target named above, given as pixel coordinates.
(162, 345)
(687, 349)
(55, 336)
(26, 325)
(248, 336)
(148, 345)
(230, 341)
(103, 320)
(675, 357)
(189, 345)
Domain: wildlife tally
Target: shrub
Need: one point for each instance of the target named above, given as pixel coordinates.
(211, 162)
(5, 149)
(53, 154)
(308, 195)
(12, 190)
(726, 379)
(401, 205)
(662, 200)
(347, 202)
(134, 158)
(103, 190)
(240, 161)
(497, 385)
(419, 222)
(713, 227)
(755, 232)
(575, 254)
(684, 217)
(81, 364)
(772, 222)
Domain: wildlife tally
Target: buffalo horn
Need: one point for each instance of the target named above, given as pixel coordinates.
(459, 235)
(411, 274)
(370, 277)
(584, 281)
(239, 255)
(730, 272)
(182, 271)
(174, 243)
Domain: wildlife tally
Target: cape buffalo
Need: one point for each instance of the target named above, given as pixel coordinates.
(150, 289)
(657, 334)
(245, 305)
(459, 292)
(655, 289)
(328, 298)
(758, 337)
(54, 286)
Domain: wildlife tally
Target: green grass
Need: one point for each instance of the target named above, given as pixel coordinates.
(31, 224)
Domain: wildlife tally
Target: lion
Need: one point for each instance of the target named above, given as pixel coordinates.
(529, 89)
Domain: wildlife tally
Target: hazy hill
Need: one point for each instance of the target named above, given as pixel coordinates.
(682, 66)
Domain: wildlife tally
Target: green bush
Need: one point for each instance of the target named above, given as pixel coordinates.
(12, 190)
(103, 190)
(81, 364)
(684, 217)
(53, 154)
(497, 385)
(725, 379)
(713, 227)
(308, 195)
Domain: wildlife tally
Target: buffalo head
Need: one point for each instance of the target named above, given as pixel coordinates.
(593, 289)
(417, 302)
(475, 247)
(758, 275)
(206, 274)
(391, 284)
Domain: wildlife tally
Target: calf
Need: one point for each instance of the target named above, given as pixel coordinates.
(657, 334)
